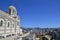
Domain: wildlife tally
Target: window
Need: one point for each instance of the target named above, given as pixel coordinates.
(8, 24)
(9, 11)
(1, 23)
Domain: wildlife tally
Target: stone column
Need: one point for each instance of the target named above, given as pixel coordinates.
(15, 25)
(5, 26)
(11, 27)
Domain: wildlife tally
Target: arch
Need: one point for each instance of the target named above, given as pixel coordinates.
(12, 10)
(1, 22)
(8, 23)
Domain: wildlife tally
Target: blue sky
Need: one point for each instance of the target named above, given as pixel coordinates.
(36, 13)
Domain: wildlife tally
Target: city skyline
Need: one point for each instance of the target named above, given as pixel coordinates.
(36, 13)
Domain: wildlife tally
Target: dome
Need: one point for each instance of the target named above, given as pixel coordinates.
(12, 7)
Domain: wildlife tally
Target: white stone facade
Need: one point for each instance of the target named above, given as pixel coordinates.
(10, 26)
(9, 21)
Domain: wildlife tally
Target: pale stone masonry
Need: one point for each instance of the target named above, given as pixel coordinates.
(10, 26)
(9, 22)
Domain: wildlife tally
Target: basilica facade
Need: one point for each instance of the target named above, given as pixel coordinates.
(9, 21)
(10, 26)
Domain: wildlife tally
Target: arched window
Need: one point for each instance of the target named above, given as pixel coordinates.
(1, 23)
(8, 24)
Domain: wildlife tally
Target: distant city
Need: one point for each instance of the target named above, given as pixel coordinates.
(44, 33)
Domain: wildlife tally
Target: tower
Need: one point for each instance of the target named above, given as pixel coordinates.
(12, 11)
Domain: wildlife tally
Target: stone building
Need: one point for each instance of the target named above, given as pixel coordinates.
(9, 22)
(10, 26)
